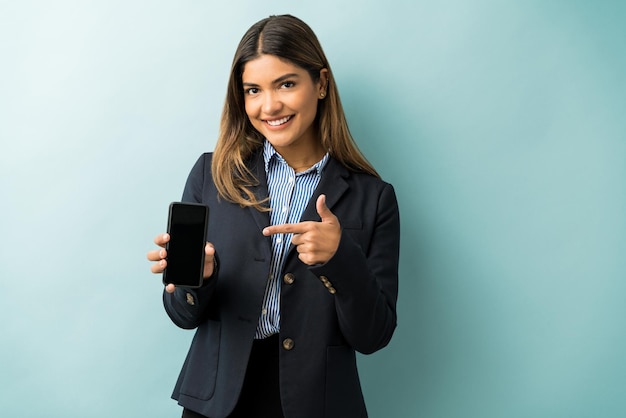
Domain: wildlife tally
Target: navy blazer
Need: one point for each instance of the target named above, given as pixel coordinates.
(328, 311)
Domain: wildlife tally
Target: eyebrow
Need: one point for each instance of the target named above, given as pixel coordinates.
(278, 80)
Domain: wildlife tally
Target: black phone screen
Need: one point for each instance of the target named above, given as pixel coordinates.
(187, 226)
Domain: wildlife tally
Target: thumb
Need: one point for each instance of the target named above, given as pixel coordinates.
(323, 211)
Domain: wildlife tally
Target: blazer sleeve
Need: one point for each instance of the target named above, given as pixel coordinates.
(366, 279)
(187, 308)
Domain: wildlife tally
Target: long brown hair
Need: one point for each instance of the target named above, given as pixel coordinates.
(290, 39)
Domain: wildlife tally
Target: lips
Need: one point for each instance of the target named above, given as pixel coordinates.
(278, 122)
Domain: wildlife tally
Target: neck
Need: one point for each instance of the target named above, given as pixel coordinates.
(306, 162)
(302, 157)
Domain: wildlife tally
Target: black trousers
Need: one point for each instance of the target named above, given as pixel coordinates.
(260, 395)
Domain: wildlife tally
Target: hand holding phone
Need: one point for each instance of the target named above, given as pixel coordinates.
(187, 228)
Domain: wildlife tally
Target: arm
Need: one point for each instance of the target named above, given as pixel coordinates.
(366, 283)
(187, 308)
(362, 276)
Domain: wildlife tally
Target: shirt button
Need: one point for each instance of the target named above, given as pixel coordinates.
(288, 344)
(289, 278)
(190, 299)
(264, 311)
(279, 240)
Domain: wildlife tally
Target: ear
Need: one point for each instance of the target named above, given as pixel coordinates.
(323, 82)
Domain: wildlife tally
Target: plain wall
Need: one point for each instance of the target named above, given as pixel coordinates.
(500, 124)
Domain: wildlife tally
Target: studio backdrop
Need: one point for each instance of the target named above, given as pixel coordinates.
(499, 123)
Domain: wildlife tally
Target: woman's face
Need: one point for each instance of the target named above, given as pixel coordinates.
(281, 102)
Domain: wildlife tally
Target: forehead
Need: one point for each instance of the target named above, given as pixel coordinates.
(267, 68)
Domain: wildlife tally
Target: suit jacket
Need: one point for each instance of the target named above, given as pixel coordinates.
(328, 311)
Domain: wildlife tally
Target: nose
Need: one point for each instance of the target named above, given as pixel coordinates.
(271, 103)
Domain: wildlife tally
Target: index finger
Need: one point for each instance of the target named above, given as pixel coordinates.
(298, 228)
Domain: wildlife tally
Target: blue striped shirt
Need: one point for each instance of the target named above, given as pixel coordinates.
(289, 194)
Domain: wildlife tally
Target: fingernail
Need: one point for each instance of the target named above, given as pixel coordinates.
(164, 237)
(265, 231)
(162, 263)
(162, 253)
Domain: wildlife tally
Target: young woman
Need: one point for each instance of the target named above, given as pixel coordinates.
(302, 266)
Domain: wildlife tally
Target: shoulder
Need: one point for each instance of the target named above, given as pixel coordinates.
(199, 176)
(359, 179)
(202, 165)
(373, 189)
(205, 159)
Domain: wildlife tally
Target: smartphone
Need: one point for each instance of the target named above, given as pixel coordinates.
(187, 226)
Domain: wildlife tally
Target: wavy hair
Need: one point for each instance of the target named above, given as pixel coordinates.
(292, 40)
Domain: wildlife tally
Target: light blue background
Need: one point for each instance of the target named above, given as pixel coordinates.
(500, 123)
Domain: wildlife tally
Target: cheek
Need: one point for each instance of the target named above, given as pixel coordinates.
(308, 105)
(249, 108)
(312, 106)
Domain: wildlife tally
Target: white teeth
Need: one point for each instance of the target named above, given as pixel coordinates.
(279, 121)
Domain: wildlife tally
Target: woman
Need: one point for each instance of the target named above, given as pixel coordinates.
(301, 270)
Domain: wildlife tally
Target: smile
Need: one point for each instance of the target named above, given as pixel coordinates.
(278, 122)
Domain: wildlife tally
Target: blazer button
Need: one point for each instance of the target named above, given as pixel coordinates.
(324, 279)
(190, 299)
(288, 344)
(332, 290)
(289, 278)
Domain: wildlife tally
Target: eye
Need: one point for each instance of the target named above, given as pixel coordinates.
(251, 91)
(287, 84)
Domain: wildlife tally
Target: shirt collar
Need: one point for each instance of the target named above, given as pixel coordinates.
(269, 153)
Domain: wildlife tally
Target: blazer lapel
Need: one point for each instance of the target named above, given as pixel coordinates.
(332, 184)
(257, 167)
